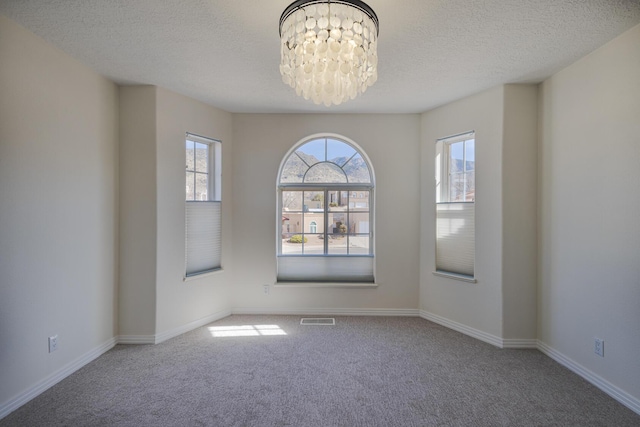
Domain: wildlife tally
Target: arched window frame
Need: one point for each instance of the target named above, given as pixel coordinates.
(334, 267)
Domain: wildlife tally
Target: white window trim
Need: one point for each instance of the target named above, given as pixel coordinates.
(454, 276)
(214, 183)
(341, 285)
(443, 179)
(349, 187)
(442, 193)
(202, 275)
(214, 195)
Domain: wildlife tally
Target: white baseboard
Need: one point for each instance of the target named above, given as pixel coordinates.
(519, 343)
(7, 407)
(136, 339)
(618, 394)
(481, 335)
(171, 333)
(475, 333)
(408, 312)
(13, 404)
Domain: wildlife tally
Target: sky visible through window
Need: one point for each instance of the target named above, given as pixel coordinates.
(334, 149)
(456, 151)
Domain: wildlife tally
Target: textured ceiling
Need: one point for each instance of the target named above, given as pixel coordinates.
(226, 52)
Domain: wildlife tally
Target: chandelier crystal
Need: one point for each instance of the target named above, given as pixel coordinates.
(329, 49)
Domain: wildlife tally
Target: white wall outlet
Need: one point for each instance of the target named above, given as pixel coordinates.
(53, 343)
(266, 288)
(598, 347)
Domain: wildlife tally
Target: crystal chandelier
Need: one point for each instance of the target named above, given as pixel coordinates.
(329, 49)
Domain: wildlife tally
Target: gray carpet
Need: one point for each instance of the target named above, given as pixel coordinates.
(365, 371)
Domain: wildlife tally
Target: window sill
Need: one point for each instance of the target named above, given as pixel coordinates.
(202, 275)
(341, 285)
(455, 276)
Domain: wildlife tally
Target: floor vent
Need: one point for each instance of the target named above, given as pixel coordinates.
(327, 321)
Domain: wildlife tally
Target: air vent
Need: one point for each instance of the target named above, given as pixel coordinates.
(327, 321)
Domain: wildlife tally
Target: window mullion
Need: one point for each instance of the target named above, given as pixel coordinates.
(195, 175)
(195, 169)
(326, 223)
(210, 175)
(464, 171)
(279, 224)
(326, 150)
(348, 225)
(371, 204)
(303, 217)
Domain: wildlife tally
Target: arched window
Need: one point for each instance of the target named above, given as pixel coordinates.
(318, 182)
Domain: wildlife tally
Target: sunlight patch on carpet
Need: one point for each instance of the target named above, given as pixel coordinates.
(245, 331)
(326, 321)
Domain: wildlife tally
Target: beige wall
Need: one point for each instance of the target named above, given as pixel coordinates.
(589, 205)
(519, 212)
(260, 143)
(58, 210)
(180, 303)
(138, 211)
(502, 302)
(155, 301)
(477, 305)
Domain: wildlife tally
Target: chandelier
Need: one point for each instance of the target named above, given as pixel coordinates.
(329, 49)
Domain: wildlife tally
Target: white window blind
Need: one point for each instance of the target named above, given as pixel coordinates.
(203, 237)
(455, 238)
(325, 269)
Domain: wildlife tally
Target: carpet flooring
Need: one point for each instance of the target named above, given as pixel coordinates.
(364, 371)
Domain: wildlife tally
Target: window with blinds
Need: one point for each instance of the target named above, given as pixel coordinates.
(455, 205)
(203, 210)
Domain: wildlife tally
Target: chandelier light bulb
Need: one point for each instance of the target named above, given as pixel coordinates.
(329, 49)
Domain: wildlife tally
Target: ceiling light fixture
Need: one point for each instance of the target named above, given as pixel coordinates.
(329, 49)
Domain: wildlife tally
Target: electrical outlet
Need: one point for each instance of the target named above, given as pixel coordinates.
(598, 347)
(53, 343)
(266, 288)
